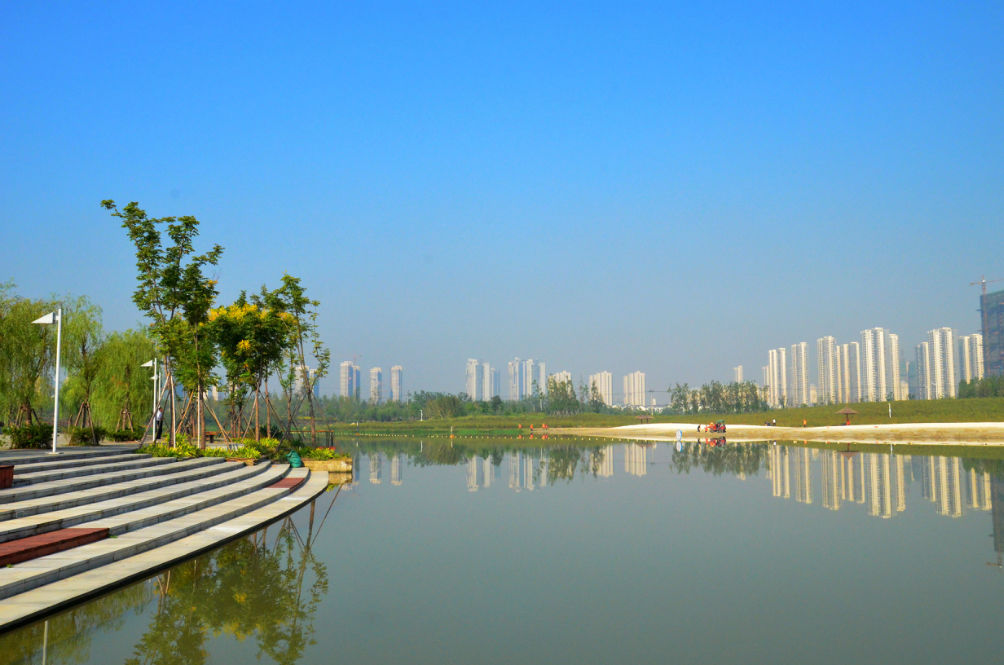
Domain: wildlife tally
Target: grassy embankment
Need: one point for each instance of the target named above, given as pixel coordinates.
(989, 409)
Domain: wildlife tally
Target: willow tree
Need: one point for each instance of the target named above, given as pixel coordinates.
(122, 386)
(27, 354)
(175, 294)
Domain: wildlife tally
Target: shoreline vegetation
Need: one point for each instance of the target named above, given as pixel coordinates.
(977, 420)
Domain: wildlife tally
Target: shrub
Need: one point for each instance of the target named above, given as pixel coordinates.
(83, 436)
(126, 434)
(330, 452)
(31, 436)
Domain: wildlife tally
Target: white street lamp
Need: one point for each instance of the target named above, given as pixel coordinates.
(153, 364)
(57, 318)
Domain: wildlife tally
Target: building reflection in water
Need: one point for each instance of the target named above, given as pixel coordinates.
(395, 470)
(635, 459)
(877, 481)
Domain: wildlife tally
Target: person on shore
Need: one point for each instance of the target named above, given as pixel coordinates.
(773, 422)
(158, 426)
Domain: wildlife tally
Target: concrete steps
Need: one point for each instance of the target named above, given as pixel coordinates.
(75, 514)
(53, 567)
(228, 475)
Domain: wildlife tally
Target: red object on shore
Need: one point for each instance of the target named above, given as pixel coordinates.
(6, 476)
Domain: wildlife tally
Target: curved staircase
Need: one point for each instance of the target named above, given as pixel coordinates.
(76, 524)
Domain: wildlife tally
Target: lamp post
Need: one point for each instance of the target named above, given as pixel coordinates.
(153, 364)
(57, 318)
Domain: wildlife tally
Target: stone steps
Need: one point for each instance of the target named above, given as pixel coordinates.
(181, 471)
(49, 474)
(223, 476)
(33, 604)
(53, 567)
(155, 466)
(76, 516)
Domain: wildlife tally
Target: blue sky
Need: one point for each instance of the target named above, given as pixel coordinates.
(671, 188)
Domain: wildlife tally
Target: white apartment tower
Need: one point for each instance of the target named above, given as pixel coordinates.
(880, 365)
(376, 385)
(799, 375)
(396, 383)
(603, 383)
(489, 381)
(634, 389)
(737, 373)
(849, 372)
(971, 357)
(942, 377)
(777, 377)
(474, 379)
(559, 377)
(348, 379)
(826, 369)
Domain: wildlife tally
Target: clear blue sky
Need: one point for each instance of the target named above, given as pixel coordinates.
(671, 188)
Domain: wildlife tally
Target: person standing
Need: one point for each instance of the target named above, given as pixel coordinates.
(158, 423)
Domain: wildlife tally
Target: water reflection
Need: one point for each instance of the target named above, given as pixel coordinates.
(833, 479)
(264, 588)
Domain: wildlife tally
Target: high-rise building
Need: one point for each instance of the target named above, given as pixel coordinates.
(396, 383)
(514, 383)
(306, 377)
(348, 379)
(559, 377)
(737, 373)
(826, 370)
(798, 390)
(634, 389)
(992, 315)
(602, 382)
(942, 376)
(880, 365)
(971, 357)
(777, 377)
(473, 383)
(489, 381)
(924, 371)
(376, 385)
(849, 367)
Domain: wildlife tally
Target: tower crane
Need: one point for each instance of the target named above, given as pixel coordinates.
(983, 281)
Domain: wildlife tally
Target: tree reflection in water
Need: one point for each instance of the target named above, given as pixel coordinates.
(266, 586)
(251, 588)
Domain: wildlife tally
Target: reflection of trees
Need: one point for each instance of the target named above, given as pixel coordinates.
(249, 588)
(562, 462)
(735, 459)
(67, 636)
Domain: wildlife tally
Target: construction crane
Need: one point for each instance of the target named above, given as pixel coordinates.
(983, 283)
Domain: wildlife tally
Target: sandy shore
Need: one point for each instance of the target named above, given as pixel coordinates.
(924, 433)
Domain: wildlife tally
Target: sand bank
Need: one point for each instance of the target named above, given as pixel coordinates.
(925, 433)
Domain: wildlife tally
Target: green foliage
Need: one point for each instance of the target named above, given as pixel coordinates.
(716, 397)
(85, 436)
(989, 386)
(322, 453)
(561, 397)
(37, 435)
(121, 382)
(27, 354)
(126, 435)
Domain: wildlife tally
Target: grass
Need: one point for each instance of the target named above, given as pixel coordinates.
(989, 409)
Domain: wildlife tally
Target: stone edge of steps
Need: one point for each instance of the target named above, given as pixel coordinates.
(20, 609)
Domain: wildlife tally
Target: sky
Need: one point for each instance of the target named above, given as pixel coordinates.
(670, 187)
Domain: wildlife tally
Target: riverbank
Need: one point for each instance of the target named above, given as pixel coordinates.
(985, 433)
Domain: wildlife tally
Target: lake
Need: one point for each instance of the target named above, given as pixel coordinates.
(481, 552)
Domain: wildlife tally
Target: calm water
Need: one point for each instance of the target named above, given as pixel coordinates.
(612, 554)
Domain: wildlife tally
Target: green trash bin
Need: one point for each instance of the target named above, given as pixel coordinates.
(294, 459)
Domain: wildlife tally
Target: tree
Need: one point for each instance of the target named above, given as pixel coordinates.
(291, 298)
(82, 341)
(27, 354)
(251, 337)
(173, 292)
(121, 386)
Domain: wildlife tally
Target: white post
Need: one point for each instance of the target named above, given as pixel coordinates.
(55, 412)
